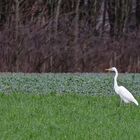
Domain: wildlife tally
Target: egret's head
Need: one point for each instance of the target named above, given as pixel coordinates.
(112, 69)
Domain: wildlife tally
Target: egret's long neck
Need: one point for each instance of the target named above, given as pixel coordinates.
(115, 79)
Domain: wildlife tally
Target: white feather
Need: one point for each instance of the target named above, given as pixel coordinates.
(124, 94)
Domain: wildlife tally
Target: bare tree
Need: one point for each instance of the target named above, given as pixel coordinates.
(76, 34)
(57, 16)
(138, 13)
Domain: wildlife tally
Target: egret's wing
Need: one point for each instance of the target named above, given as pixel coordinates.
(125, 93)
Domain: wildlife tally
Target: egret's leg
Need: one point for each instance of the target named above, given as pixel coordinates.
(120, 102)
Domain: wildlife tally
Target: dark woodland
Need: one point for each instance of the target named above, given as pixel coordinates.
(69, 35)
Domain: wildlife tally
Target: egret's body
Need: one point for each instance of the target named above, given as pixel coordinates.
(124, 94)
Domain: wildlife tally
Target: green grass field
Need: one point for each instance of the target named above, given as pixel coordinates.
(67, 107)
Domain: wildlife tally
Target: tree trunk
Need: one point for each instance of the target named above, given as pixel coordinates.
(111, 15)
(76, 34)
(138, 13)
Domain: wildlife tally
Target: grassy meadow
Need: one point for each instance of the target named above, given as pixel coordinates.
(67, 107)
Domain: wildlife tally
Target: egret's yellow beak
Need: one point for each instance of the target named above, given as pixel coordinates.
(109, 69)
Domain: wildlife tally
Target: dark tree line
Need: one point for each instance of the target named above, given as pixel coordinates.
(69, 36)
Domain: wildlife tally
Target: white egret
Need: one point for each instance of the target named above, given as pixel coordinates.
(124, 94)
